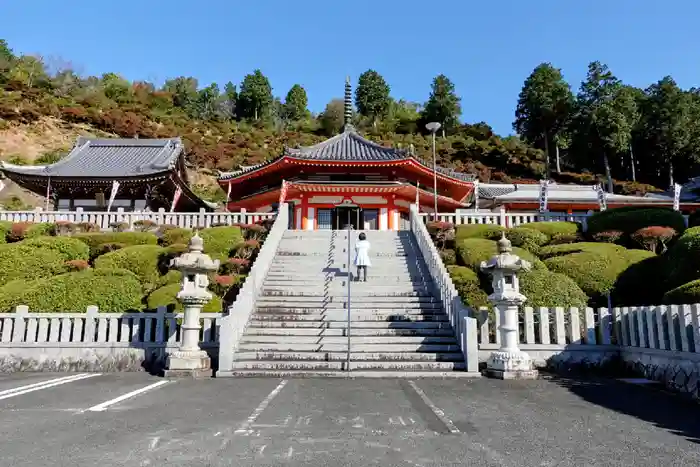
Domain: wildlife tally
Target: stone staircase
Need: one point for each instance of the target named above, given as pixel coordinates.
(300, 326)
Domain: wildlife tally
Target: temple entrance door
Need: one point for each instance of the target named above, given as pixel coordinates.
(344, 215)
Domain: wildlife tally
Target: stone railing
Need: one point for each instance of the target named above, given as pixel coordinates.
(661, 342)
(234, 324)
(462, 322)
(93, 340)
(506, 219)
(105, 220)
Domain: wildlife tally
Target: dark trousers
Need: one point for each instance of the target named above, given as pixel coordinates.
(360, 269)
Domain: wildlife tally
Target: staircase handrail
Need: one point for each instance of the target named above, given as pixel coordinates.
(462, 318)
(235, 321)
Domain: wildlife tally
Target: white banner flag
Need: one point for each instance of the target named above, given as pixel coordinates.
(2, 185)
(544, 188)
(417, 196)
(602, 201)
(677, 197)
(476, 195)
(112, 194)
(178, 193)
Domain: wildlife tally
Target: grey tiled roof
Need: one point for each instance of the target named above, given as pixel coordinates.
(492, 190)
(351, 147)
(109, 158)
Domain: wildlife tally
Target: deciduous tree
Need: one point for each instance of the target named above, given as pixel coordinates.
(332, 118)
(255, 97)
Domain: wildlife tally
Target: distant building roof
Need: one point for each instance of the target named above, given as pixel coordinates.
(561, 193)
(110, 159)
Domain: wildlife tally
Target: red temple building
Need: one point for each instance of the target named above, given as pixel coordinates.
(346, 179)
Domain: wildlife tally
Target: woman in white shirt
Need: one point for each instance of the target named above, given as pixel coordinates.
(362, 261)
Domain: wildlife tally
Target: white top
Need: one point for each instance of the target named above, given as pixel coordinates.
(362, 253)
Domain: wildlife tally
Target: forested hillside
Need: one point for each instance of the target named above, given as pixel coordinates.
(603, 130)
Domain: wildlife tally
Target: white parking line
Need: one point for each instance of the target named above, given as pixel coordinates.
(103, 406)
(438, 413)
(245, 426)
(6, 394)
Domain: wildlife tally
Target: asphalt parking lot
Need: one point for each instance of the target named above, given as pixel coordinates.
(133, 419)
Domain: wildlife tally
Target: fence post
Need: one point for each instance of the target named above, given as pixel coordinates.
(243, 219)
(90, 323)
(21, 312)
(503, 218)
(202, 222)
(160, 324)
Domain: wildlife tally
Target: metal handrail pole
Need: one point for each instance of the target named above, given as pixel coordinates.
(347, 366)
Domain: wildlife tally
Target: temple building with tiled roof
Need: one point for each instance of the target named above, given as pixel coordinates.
(346, 179)
(108, 174)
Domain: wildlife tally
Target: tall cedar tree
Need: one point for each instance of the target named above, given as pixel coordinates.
(295, 104)
(606, 115)
(443, 105)
(255, 97)
(372, 96)
(544, 108)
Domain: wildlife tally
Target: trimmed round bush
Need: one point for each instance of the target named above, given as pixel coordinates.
(477, 231)
(522, 237)
(5, 227)
(684, 258)
(70, 248)
(167, 296)
(218, 241)
(473, 251)
(449, 257)
(549, 289)
(111, 291)
(551, 251)
(595, 273)
(468, 284)
(685, 294)
(146, 261)
(552, 229)
(642, 283)
(21, 262)
(629, 219)
(97, 239)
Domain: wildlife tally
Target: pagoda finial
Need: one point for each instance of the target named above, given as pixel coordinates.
(347, 126)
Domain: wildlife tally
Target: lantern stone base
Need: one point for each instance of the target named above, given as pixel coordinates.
(510, 365)
(188, 365)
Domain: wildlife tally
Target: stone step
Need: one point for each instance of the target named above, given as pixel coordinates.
(355, 347)
(337, 307)
(305, 277)
(341, 298)
(354, 332)
(342, 292)
(358, 365)
(355, 316)
(342, 325)
(354, 356)
(342, 282)
(348, 374)
(356, 340)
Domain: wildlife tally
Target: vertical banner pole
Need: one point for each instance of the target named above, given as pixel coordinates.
(677, 197)
(347, 365)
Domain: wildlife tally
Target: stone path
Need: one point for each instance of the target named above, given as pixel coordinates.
(138, 420)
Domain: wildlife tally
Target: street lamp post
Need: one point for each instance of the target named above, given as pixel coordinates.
(433, 127)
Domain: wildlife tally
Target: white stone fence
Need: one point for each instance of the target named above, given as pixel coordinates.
(505, 218)
(106, 220)
(94, 340)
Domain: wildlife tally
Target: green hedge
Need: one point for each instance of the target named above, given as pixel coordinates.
(21, 262)
(218, 241)
(476, 231)
(581, 247)
(629, 219)
(112, 291)
(688, 293)
(167, 296)
(97, 239)
(468, 284)
(642, 283)
(473, 251)
(522, 237)
(70, 248)
(549, 289)
(5, 227)
(146, 261)
(553, 229)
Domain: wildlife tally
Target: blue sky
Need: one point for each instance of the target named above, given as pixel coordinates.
(487, 48)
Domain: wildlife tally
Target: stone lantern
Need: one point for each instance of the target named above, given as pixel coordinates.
(189, 359)
(508, 362)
